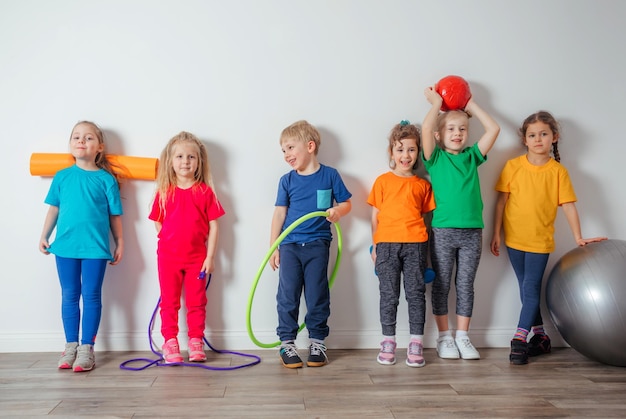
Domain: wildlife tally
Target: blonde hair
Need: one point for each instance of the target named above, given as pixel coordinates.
(442, 118)
(101, 159)
(166, 177)
(302, 131)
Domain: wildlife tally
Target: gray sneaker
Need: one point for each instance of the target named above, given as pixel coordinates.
(68, 356)
(85, 358)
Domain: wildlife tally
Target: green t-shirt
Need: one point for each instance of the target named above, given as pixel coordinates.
(456, 186)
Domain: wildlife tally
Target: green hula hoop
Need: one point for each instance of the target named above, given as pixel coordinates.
(280, 238)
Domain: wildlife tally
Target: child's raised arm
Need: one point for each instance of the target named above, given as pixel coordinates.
(429, 126)
(492, 129)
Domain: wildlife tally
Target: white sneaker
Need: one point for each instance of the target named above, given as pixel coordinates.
(446, 348)
(466, 349)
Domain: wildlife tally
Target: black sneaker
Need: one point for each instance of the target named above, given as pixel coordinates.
(289, 355)
(317, 355)
(519, 352)
(539, 345)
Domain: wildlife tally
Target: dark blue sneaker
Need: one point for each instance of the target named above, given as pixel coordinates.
(539, 345)
(289, 355)
(519, 352)
(317, 355)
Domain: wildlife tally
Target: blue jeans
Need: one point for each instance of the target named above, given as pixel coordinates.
(81, 277)
(303, 266)
(529, 268)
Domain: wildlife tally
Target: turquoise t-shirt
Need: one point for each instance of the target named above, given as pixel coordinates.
(456, 186)
(85, 199)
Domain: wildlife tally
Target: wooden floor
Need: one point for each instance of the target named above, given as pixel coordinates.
(353, 385)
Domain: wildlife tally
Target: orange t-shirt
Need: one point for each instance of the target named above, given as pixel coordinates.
(401, 201)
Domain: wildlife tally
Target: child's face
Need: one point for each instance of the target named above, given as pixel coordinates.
(297, 153)
(453, 136)
(184, 161)
(404, 155)
(539, 138)
(84, 143)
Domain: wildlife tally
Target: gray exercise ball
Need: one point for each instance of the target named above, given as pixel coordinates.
(586, 297)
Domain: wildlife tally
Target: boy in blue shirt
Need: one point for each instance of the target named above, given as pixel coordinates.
(303, 255)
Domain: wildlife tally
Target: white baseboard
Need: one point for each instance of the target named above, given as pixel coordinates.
(239, 340)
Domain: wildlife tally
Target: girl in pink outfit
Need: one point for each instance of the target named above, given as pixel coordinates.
(185, 210)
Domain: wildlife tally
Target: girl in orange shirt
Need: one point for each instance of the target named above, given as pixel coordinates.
(399, 199)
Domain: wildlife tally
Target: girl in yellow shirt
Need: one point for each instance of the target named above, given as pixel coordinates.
(530, 189)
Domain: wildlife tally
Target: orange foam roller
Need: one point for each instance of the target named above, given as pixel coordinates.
(47, 164)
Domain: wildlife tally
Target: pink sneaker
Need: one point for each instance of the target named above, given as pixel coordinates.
(387, 354)
(414, 354)
(171, 352)
(196, 350)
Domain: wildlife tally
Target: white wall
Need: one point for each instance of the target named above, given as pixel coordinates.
(236, 73)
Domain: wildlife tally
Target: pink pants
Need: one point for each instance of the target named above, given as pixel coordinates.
(173, 279)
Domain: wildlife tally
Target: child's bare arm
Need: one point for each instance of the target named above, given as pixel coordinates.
(209, 262)
(118, 238)
(278, 219)
(497, 222)
(338, 211)
(492, 129)
(48, 226)
(571, 213)
(374, 220)
(429, 126)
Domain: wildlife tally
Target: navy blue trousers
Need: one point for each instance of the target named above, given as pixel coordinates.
(303, 267)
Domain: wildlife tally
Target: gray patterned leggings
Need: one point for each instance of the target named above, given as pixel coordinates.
(450, 246)
(406, 261)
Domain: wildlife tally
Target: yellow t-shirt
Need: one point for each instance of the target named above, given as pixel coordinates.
(401, 201)
(535, 193)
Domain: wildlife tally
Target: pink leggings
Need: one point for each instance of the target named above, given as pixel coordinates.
(173, 279)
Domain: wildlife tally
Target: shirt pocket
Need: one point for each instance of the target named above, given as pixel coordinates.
(324, 199)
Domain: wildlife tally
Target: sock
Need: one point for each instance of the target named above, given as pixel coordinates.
(521, 334)
(461, 333)
(391, 338)
(285, 342)
(445, 334)
(419, 338)
(538, 330)
(318, 341)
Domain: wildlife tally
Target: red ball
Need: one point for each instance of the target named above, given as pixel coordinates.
(454, 91)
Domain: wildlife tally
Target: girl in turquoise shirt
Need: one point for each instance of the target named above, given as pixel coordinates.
(85, 206)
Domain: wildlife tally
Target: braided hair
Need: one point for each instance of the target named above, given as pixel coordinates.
(547, 118)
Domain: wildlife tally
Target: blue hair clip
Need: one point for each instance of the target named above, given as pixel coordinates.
(404, 122)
